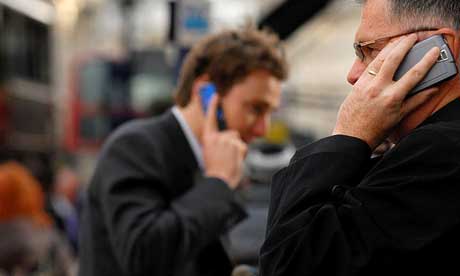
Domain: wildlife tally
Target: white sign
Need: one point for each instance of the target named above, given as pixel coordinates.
(193, 21)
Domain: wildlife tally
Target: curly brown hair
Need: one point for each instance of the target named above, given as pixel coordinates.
(229, 57)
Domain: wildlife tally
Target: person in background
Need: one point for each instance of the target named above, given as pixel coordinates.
(28, 242)
(65, 201)
(162, 197)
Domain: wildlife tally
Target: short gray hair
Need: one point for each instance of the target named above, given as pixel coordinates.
(425, 13)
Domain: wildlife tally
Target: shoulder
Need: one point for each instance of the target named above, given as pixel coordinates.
(435, 135)
(139, 145)
(138, 133)
(138, 149)
(427, 146)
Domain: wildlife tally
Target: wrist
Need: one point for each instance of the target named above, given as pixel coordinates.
(221, 176)
(372, 143)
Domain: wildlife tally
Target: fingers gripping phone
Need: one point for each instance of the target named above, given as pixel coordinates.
(206, 93)
(444, 68)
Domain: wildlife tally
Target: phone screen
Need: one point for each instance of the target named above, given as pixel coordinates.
(206, 93)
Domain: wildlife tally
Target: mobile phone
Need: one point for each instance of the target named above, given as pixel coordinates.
(444, 68)
(206, 93)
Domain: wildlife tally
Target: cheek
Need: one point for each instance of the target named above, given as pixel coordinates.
(240, 118)
(246, 118)
(233, 115)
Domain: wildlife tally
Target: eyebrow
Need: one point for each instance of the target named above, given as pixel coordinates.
(263, 104)
(268, 105)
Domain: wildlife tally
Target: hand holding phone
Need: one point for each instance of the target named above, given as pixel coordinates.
(223, 150)
(377, 103)
(206, 92)
(444, 68)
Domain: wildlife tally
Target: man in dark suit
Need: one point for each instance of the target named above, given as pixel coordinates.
(336, 211)
(162, 196)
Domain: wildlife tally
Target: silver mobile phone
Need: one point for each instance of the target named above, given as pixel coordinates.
(444, 68)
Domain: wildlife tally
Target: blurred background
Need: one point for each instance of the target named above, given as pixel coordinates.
(71, 71)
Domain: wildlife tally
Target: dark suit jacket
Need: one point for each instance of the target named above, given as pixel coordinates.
(149, 211)
(334, 211)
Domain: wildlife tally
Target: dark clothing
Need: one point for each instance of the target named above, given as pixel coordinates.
(149, 211)
(334, 211)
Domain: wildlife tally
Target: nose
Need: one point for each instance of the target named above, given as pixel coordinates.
(261, 125)
(355, 71)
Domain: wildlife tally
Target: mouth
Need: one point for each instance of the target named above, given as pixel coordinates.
(249, 139)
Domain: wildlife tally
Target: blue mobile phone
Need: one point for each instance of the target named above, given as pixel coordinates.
(206, 93)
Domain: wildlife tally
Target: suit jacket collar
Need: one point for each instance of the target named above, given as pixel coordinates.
(181, 147)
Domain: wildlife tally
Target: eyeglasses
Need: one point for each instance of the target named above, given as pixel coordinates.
(364, 50)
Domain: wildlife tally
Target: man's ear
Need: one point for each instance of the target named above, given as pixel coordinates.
(453, 40)
(197, 84)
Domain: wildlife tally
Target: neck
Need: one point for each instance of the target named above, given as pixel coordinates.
(449, 92)
(194, 118)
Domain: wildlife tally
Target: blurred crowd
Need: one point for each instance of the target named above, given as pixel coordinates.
(38, 232)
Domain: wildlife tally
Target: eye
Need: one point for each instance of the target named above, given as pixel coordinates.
(258, 109)
(374, 52)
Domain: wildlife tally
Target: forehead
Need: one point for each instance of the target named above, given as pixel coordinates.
(375, 21)
(259, 86)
